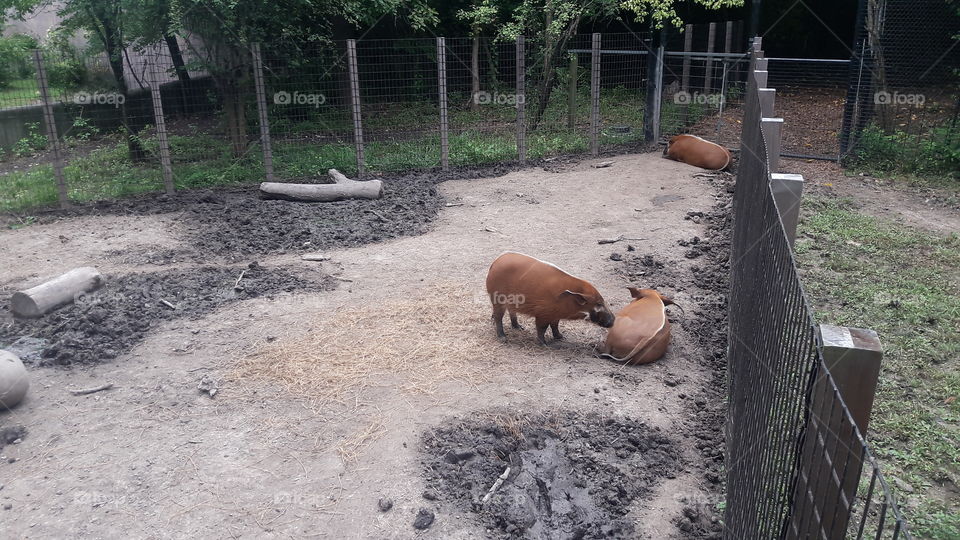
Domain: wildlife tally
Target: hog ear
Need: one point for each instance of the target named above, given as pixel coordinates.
(667, 301)
(635, 292)
(581, 299)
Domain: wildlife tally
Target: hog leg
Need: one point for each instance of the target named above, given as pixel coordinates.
(555, 328)
(541, 329)
(513, 320)
(498, 311)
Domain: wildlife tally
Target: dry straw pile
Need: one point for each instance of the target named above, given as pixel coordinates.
(410, 343)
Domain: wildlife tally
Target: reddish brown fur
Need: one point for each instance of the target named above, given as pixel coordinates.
(641, 332)
(698, 152)
(519, 283)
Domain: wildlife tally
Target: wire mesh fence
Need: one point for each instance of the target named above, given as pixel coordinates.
(797, 464)
(402, 104)
(903, 102)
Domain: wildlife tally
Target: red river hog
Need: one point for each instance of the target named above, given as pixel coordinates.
(698, 152)
(641, 332)
(519, 283)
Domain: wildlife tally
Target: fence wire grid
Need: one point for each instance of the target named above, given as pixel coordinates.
(797, 464)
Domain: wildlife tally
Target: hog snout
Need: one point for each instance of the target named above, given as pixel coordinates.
(602, 316)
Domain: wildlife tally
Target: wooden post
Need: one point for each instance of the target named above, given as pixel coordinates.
(767, 97)
(474, 74)
(50, 122)
(572, 94)
(654, 91)
(262, 116)
(787, 192)
(166, 166)
(685, 73)
(687, 49)
(521, 102)
(355, 104)
(771, 128)
(595, 94)
(853, 356)
(708, 66)
(442, 92)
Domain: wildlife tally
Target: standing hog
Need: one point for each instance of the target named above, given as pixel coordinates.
(519, 283)
(641, 332)
(698, 152)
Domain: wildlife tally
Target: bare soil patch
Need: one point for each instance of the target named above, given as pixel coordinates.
(570, 474)
(107, 322)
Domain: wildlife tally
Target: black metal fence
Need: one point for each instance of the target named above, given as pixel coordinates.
(797, 464)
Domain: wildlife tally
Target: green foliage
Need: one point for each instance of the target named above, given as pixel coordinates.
(33, 143)
(936, 153)
(16, 61)
(63, 61)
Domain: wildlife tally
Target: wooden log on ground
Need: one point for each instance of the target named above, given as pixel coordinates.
(57, 292)
(342, 188)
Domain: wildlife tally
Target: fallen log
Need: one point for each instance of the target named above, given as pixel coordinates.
(342, 188)
(59, 291)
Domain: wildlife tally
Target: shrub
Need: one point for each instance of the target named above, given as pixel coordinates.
(15, 60)
(934, 153)
(64, 63)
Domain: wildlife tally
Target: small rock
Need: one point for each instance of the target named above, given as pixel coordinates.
(315, 257)
(385, 504)
(424, 519)
(7, 506)
(208, 385)
(459, 454)
(616, 257)
(430, 495)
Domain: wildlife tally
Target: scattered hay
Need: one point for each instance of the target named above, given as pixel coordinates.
(351, 447)
(410, 343)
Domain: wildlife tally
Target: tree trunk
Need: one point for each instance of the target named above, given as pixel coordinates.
(236, 119)
(114, 49)
(176, 56)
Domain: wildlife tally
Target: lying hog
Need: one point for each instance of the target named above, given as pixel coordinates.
(641, 331)
(519, 283)
(698, 152)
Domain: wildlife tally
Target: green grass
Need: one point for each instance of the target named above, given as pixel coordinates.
(904, 283)
(932, 159)
(19, 93)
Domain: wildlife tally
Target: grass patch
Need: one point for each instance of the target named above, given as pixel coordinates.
(932, 159)
(20, 92)
(905, 284)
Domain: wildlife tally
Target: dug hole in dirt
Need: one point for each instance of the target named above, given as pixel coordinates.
(346, 385)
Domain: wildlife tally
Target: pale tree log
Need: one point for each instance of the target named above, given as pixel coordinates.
(59, 291)
(342, 188)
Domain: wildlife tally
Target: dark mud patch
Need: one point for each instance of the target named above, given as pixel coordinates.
(10, 435)
(572, 475)
(103, 324)
(706, 282)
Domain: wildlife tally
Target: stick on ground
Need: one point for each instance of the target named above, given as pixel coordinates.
(93, 390)
(496, 485)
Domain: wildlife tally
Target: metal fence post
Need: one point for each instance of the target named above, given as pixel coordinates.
(355, 104)
(157, 100)
(654, 90)
(50, 121)
(708, 66)
(572, 93)
(442, 92)
(263, 117)
(787, 192)
(595, 94)
(687, 49)
(521, 102)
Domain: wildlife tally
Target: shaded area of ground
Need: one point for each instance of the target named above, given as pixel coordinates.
(102, 324)
(568, 471)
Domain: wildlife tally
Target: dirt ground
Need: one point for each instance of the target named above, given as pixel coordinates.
(267, 456)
